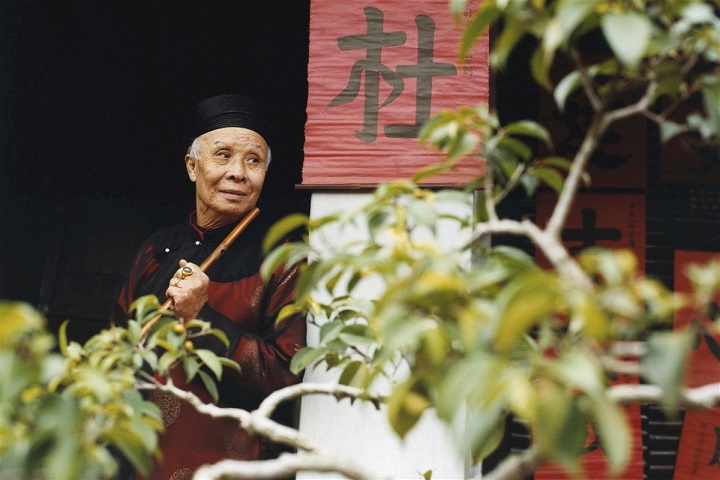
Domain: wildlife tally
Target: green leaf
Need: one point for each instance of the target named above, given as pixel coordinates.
(550, 177)
(465, 144)
(611, 427)
(165, 361)
(288, 311)
(457, 7)
(587, 316)
(561, 428)
(628, 34)
(570, 14)
(423, 212)
(484, 430)
(528, 128)
(191, 367)
(132, 448)
(220, 335)
(665, 364)
(481, 213)
(62, 338)
(210, 359)
(480, 21)
(455, 390)
(566, 87)
(505, 43)
(357, 336)
(553, 36)
(456, 196)
(210, 385)
(330, 330)
(228, 363)
(522, 304)
(516, 148)
(403, 411)
(540, 66)
(530, 184)
(669, 129)
(355, 374)
(711, 101)
(304, 357)
(285, 254)
(144, 307)
(578, 369)
(282, 228)
(561, 163)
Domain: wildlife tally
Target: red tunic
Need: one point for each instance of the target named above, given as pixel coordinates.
(245, 308)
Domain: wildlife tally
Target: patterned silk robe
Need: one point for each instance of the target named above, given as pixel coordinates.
(245, 308)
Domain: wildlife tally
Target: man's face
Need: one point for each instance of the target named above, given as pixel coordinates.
(228, 176)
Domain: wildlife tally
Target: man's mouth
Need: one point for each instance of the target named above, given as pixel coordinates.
(233, 193)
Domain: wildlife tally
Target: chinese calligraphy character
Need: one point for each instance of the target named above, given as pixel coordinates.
(588, 234)
(423, 71)
(567, 146)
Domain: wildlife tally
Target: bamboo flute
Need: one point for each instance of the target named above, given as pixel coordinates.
(217, 253)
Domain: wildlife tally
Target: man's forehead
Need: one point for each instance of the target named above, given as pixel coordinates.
(234, 136)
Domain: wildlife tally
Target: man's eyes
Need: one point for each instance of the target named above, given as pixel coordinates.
(228, 155)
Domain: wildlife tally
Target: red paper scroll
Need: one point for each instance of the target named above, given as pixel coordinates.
(613, 221)
(620, 160)
(699, 451)
(377, 71)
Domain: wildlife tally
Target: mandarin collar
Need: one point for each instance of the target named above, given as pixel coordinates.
(210, 235)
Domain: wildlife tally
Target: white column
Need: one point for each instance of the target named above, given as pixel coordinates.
(359, 430)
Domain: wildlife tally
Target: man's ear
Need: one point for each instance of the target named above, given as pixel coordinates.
(191, 164)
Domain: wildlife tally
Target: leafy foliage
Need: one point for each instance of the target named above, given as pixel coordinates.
(64, 407)
(482, 339)
(501, 337)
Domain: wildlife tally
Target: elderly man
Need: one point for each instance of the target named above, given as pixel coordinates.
(227, 162)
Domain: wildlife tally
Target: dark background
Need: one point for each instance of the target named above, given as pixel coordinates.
(95, 102)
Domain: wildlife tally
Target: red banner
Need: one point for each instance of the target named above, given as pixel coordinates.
(699, 450)
(620, 161)
(613, 221)
(377, 70)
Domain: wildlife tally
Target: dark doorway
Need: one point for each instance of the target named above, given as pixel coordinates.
(95, 100)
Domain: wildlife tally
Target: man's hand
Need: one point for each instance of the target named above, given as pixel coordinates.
(189, 290)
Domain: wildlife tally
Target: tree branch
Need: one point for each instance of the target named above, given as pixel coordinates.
(268, 406)
(587, 83)
(284, 466)
(636, 108)
(558, 255)
(257, 423)
(517, 466)
(577, 168)
(707, 396)
(521, 465)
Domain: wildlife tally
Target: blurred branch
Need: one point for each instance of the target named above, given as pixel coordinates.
(707, 396)
(315, 457)
(286, 465)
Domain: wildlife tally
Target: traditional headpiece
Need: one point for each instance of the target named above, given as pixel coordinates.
(229, 111)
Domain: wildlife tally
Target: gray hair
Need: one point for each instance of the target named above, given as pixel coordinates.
(194, 152)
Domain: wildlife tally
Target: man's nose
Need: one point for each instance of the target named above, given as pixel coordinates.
(236, 169)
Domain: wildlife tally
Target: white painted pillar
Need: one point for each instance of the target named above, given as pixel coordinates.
(359, 430)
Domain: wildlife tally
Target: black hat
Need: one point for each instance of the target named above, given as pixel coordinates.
(229, 111)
